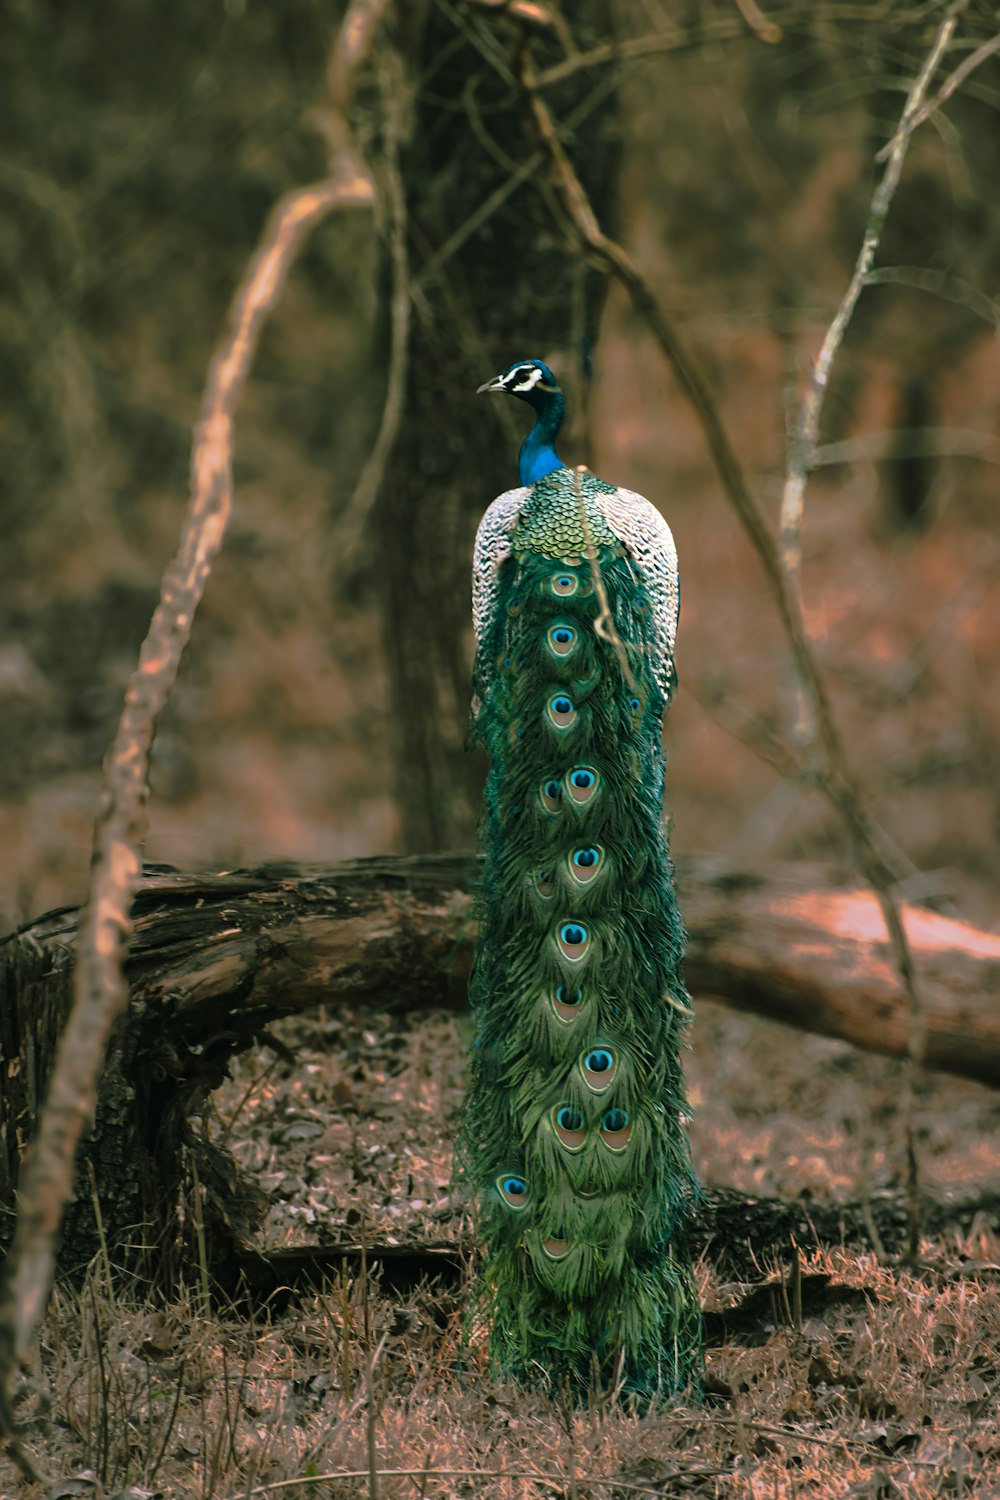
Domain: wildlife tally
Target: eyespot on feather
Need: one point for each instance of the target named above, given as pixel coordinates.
(585, 864)
(570, 1126)
(513, 1190)
(582, 783)
(564, 585)
(598, 1067)
(566, 1003)
(561, 639)
(573, 939)
(556, 1248)
(550, 794)
(543, 883)
(616, 1129)
(561, 710)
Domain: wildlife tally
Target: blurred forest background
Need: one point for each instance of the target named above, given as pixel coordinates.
(144, 145)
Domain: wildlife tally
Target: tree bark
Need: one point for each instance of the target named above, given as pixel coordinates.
(516, 284)
(217, 958)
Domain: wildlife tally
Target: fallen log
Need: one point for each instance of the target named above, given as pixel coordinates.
(215, 959)
(742, 1236)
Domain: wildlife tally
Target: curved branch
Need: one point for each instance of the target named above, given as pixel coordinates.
(100, 989)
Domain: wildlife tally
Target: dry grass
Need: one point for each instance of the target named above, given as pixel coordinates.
(883, 1387)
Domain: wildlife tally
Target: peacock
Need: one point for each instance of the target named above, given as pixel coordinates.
(574, 1135)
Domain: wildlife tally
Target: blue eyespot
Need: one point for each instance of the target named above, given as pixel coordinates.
(635, 704)
(598, 1067)
(570, 1125)
(561, 710)
(566, 1003)
(574, 940)
(614, 1121)
(551, 795)
(582, 783)
(564, 585)
(561, 639)
(585, 864)
(513, 1190)
(568, 1118)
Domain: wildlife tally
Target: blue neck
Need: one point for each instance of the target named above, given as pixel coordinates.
(538, 455)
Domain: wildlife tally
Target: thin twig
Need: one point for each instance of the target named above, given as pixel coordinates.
(951, 83)
(604, 624)
(801, 457)
(802, 447)
(100, 989)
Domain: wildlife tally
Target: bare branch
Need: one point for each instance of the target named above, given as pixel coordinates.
(801, 457)
(801, 449)
(100, 990)
(951, 83)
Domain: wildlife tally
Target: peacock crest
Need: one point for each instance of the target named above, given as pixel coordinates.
(574, 1137)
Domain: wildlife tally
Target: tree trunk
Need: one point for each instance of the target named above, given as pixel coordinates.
(217, 958)
(516, 285)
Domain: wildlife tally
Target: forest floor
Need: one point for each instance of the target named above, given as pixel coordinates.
(882, 1384)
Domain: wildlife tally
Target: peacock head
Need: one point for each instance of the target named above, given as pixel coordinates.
(529, 380)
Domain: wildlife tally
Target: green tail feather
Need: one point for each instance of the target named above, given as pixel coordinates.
(574, 1131)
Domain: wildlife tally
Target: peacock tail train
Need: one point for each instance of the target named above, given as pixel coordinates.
(574, 1135)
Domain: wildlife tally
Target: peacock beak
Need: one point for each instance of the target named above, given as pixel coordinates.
(496, 384)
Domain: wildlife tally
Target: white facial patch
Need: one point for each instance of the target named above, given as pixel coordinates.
(534, 375)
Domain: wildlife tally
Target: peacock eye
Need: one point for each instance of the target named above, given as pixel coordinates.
(513, 1190)
(569, 1118)
(557, 1246)
(561, 639)
(570, 1126)
(551, 795)
(635, 704)
(616, 1129)
(598, 1067)
(573, 940)
(561, 710)
(566, 1003)
(582, 783)
(584, 864)
(564, 585)
(543, 883)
